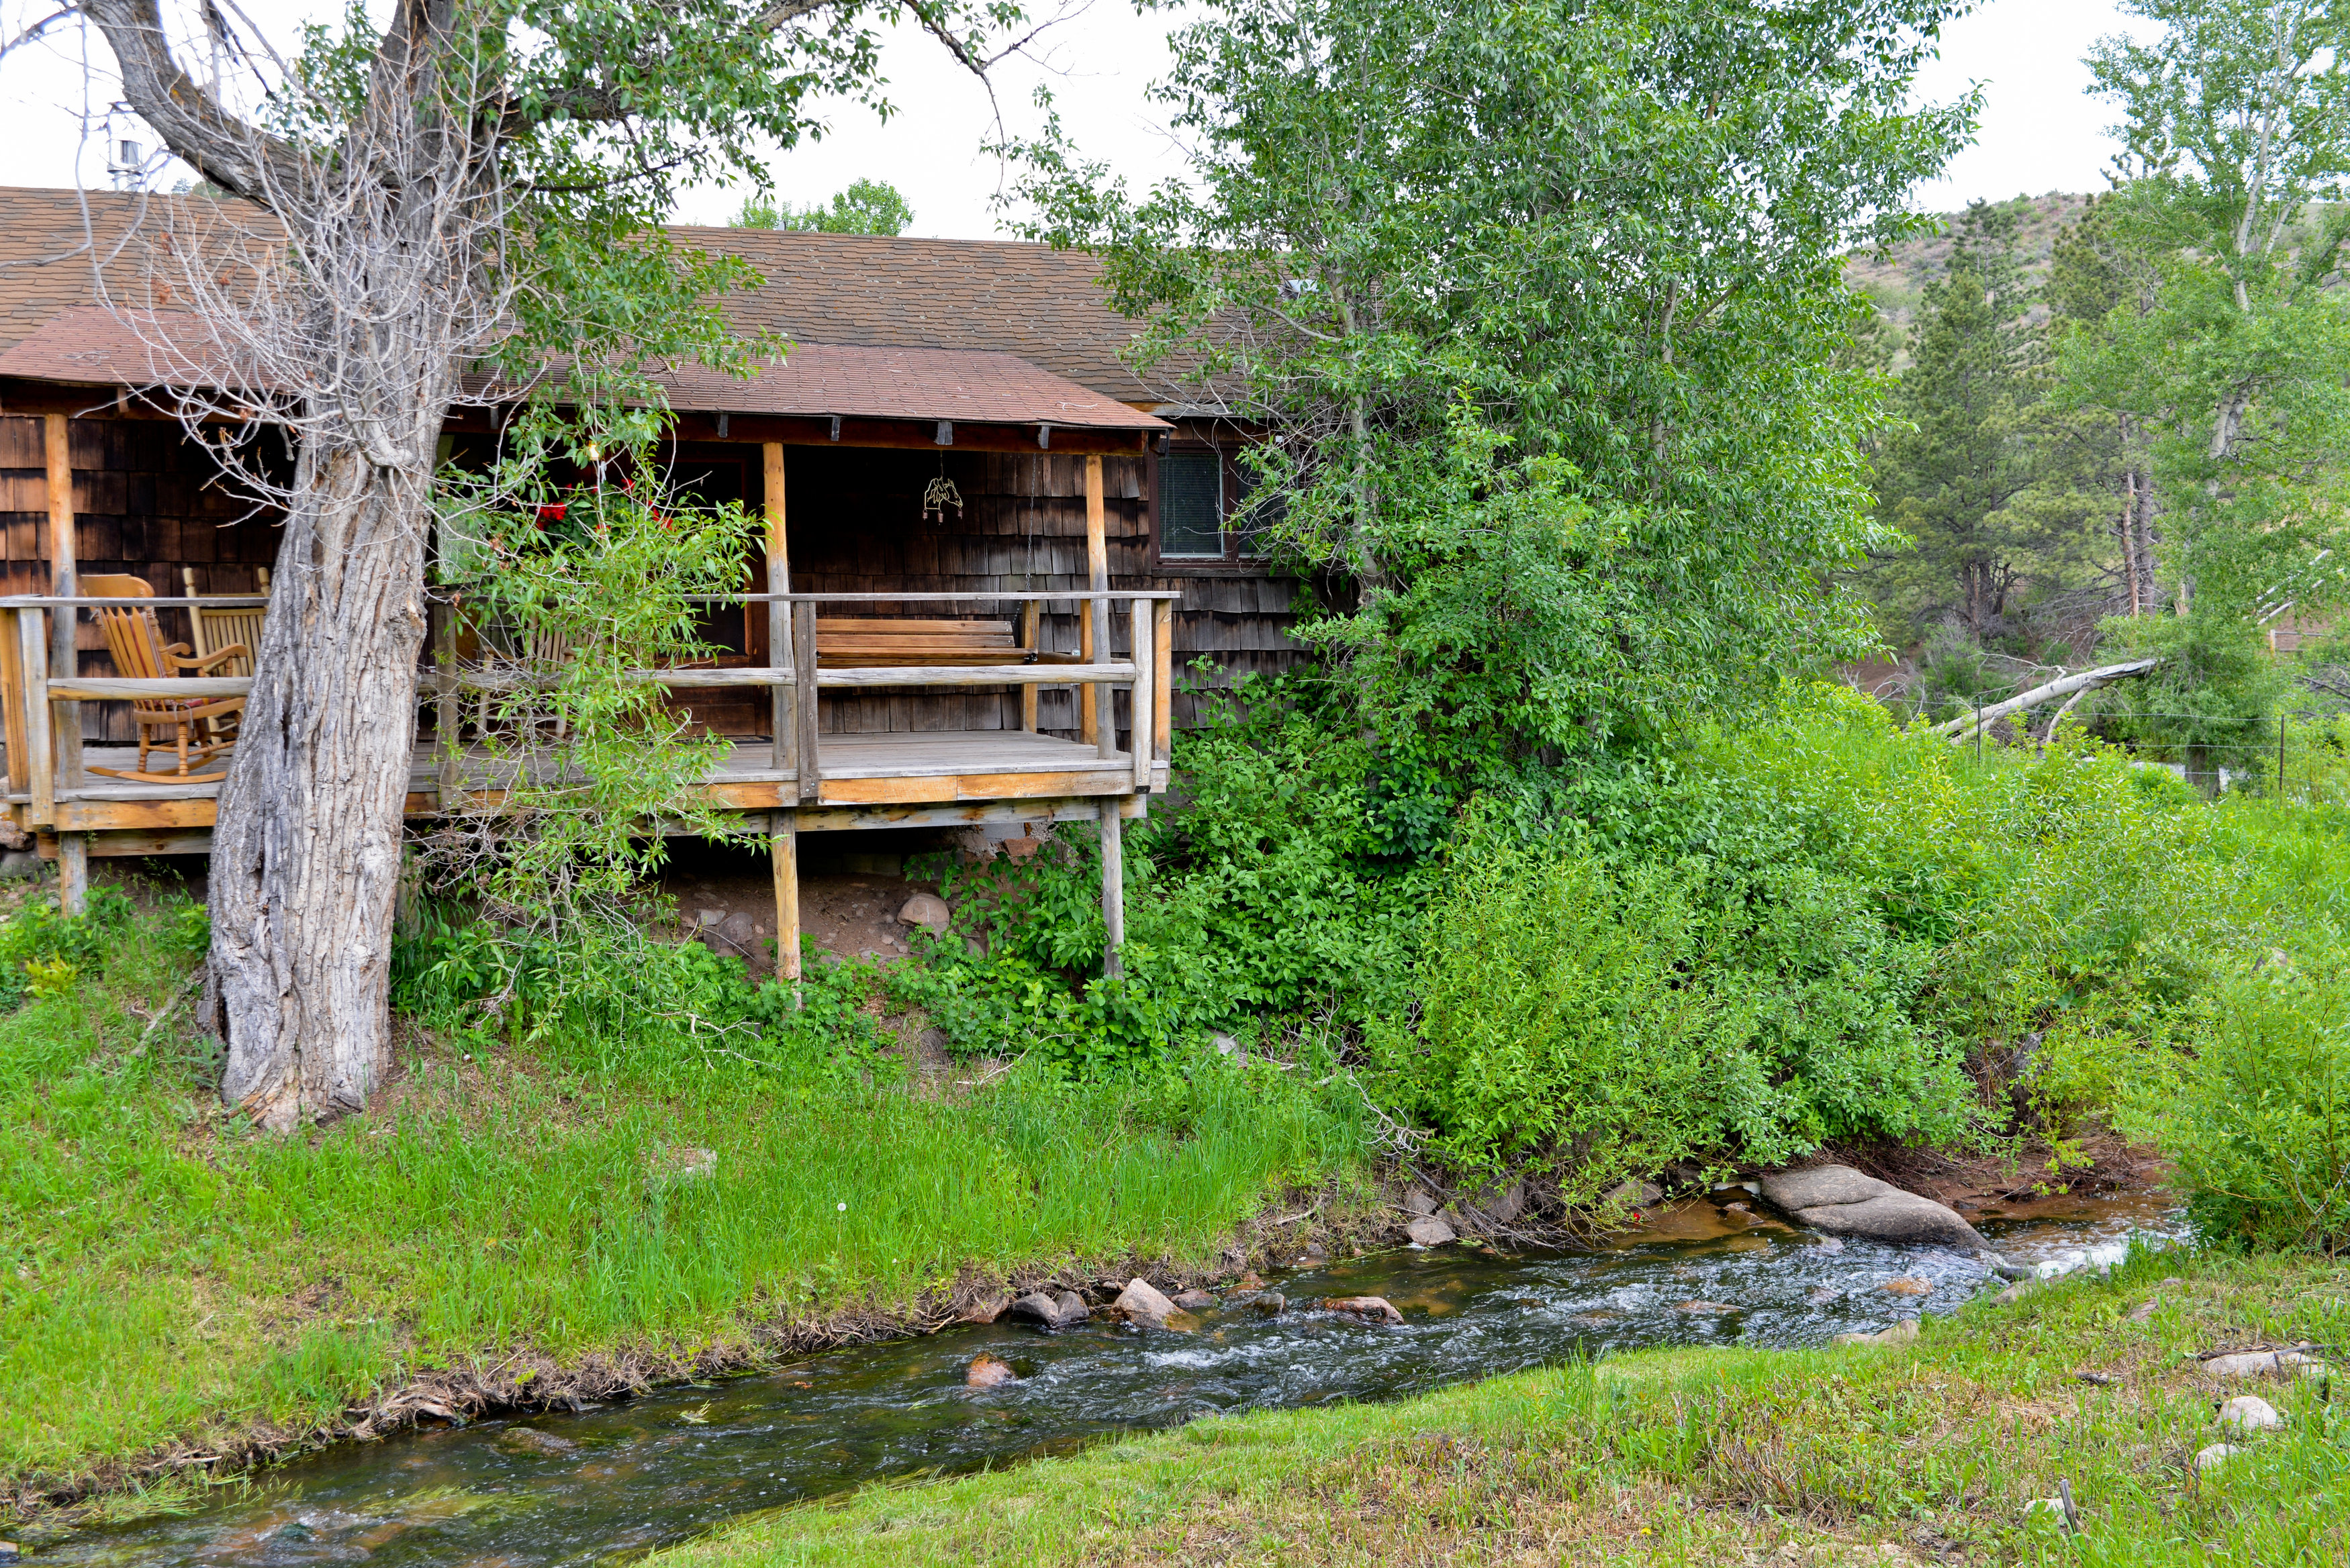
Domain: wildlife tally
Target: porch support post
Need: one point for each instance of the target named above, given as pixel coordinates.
(783, 713)
(1113, 886)
(63, 579)
(73, 872)
(1096, 722)
(783, 849)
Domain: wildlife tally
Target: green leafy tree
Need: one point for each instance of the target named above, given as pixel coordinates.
(2236, 121)
(1511, 287)
(1949, 481)
(465, 184)
(867, 207)
(2007, 498)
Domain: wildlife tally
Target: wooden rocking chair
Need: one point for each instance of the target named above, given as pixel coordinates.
(136, 641)
(222, 629)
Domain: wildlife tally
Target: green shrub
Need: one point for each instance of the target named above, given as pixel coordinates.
(1284, 885)
(2256, 1117)
(1600, 1021)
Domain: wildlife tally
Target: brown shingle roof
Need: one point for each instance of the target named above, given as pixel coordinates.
(987, 298)
(998, 296)
(91, 345)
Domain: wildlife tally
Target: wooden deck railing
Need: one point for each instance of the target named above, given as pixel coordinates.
(38, 707)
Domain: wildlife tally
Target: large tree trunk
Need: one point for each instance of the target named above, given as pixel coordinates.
(306, 857)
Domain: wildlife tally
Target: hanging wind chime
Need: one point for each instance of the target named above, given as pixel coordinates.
(940, 494)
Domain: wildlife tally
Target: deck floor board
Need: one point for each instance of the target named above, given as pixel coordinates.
(896, 755)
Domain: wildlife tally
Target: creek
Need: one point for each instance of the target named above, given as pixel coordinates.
(615, 1481)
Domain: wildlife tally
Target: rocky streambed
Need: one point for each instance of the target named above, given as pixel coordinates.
(1070, 1366)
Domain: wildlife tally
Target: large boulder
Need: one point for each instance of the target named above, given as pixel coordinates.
(1843, 1202)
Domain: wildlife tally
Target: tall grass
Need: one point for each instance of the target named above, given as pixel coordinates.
(166, 1276)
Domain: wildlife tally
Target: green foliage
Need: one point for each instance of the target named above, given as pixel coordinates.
(1982, 474)
(1282, 889)
(867, 207)
(1396, 211)
(44, 951)
(1602, 1022)
(582, 594)
(604, 999)
(2225, 341)
(2256, 1117)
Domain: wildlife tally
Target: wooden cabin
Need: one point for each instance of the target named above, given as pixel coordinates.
(1012, 658)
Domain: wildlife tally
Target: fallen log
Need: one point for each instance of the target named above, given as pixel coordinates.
(1963, 727)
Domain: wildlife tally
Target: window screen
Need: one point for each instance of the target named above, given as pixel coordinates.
(1192, 506)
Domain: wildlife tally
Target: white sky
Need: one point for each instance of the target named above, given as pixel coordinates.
(2040, 131)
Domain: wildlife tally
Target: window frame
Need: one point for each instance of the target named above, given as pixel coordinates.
(1231, 563)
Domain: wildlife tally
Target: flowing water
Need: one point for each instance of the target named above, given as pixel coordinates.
(613, 1480)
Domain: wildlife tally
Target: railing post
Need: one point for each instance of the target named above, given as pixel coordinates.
(64, 580)
(12, 704)
(1031, 631)
(40, 748)
(447, 723)
(1162, 685)
(782, 704)
(804, 666)
(1145, 702)
(1097, 720)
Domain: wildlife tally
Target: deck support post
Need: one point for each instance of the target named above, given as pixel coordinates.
(73, 872)
(783, 710)
(1113, 886)
(1097, 722)
(58, 459)
(783, 849)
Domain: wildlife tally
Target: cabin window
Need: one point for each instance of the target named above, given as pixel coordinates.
(1192, 506)
(1200, 516)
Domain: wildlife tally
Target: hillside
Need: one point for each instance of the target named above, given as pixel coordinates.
(1895, 278)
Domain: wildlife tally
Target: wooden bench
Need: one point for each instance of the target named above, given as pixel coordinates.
(898, 644)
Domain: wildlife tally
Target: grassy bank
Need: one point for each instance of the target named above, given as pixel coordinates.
(1708, 1457)
(169, 1281)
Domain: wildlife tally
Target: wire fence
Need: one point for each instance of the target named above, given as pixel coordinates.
(2259, 761)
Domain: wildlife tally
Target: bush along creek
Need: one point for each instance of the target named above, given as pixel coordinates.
(621, 1164)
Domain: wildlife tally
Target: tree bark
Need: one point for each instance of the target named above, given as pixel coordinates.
(306, 854)
(1963, 727)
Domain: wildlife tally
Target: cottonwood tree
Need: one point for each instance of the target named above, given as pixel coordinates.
(470, 186)
(2236, 122)
(1541, 308)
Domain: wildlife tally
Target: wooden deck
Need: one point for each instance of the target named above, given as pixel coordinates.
(938, 778)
